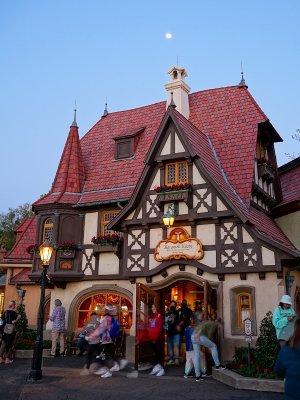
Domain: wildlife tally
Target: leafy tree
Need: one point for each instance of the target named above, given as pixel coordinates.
(292, 156)
(266, 348)
(10, 221)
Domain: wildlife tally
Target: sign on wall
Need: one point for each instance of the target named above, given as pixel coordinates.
(179, 245)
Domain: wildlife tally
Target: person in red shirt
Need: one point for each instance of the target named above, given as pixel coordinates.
(155, 331)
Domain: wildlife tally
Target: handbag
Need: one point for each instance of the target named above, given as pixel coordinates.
(9, 328)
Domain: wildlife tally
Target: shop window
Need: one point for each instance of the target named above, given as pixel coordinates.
(48, 230)
(244, 308)
(106, 218)
(242, 303)
(176, 173)
(97, 303)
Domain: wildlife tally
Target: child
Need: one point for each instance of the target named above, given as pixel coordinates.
(189, 352)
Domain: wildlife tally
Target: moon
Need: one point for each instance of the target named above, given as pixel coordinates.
(168, 35)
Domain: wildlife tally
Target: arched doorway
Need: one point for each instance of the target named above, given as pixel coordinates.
(175, 288)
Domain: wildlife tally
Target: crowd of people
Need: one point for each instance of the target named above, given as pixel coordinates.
(180, 325)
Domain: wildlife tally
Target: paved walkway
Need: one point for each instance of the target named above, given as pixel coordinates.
(61, 381)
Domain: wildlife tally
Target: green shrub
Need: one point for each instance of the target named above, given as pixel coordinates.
(266, 348)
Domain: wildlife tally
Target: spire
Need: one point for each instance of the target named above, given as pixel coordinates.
(74, 123)
(105, 112)
(70, 173)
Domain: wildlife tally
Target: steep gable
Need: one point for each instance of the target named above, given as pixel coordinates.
(26, 238)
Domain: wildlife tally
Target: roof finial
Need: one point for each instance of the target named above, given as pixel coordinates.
(172, 104)
(105, 112)
(74, 123)
(242, 82)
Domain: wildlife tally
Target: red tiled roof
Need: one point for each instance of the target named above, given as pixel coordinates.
(209, 158)
(18, 253)
(290, 181)
(225, 115)
(222, 129)
(22, 277)
(230, 117)
(70, 174)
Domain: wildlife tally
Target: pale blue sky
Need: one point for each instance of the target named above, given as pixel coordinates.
(55, 52)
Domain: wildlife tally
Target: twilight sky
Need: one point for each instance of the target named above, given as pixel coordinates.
(56, 52)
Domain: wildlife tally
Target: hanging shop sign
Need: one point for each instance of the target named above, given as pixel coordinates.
(179, 245)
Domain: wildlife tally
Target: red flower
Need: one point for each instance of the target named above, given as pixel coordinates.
(241, 366)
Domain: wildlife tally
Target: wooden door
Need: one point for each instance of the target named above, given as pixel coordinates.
(145, 297)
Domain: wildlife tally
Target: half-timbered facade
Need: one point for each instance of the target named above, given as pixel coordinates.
(208, 159)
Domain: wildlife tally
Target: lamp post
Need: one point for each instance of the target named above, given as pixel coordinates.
(36, 367)
(169, 216)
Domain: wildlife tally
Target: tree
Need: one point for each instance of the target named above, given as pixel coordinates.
(266, 348)
(292, 156)
(10, 221)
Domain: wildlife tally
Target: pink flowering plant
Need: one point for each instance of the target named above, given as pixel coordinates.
(172, 188)
(108, 239)
(67, 246)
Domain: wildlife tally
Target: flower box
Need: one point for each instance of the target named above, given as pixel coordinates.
(106, 248)
(67, 253)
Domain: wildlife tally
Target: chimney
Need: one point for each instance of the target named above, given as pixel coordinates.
(180, 90)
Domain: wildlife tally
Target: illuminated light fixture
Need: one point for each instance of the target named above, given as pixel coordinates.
(46, 250)
(36, 373)
(169, 216)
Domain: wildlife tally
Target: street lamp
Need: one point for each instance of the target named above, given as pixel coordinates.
(36, 367)
(169, 216)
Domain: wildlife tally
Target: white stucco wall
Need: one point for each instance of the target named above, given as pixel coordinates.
(90, 227)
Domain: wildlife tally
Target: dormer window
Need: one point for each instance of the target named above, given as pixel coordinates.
(126, 144)
(176, 172)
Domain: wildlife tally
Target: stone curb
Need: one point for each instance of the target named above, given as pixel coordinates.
(241, 382)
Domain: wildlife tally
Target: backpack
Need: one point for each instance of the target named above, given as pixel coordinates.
(115, 329)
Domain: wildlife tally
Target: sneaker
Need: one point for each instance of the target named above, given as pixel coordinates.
(123, 363)
(101, 371)
(188, 376)
(108, 374)
(218, 367)
(161, 372)
(85, 371)
(199, 378)
(155, 369)
(170, 362)
(115, 368)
